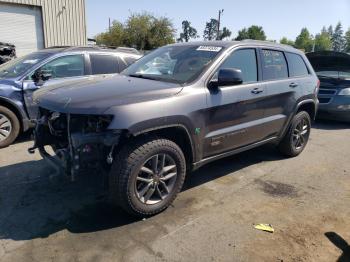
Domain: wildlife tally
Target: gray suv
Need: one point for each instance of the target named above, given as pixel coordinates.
(174, 110)
(21, 77)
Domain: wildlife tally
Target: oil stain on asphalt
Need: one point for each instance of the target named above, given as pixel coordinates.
(277, 189)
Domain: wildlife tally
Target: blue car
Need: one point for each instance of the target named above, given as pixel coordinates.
(19, 78)
(333, 71)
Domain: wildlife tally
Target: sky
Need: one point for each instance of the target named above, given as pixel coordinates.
(277, 17)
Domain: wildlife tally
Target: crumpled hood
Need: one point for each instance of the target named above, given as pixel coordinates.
(96, 94)
(7, 81)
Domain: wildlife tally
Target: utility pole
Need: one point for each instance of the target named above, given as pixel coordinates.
(109, 25)
(219, 21)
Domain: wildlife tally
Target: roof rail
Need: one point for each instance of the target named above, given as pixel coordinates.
(118, 49)
(128, 50)
(58, 46)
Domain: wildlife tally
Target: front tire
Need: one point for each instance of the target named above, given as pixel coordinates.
(147, 175)
(297, 136)
(9, 127)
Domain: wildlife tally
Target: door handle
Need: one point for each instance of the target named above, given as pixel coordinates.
(293, 85)
(257, 90)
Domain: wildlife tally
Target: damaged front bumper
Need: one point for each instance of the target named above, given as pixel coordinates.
(77, 145)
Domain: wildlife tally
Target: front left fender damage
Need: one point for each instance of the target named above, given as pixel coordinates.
(79, 143)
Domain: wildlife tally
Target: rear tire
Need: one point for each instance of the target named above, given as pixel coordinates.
(9, 127)
(147, 175)
(297, 136)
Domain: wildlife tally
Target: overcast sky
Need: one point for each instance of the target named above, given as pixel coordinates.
(278, 17)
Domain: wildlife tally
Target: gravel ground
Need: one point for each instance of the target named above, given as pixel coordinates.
(44, 217)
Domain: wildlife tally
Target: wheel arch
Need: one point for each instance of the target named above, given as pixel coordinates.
(16, 110)
(178, 133)
(309, 106)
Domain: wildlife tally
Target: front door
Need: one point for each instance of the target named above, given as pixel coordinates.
(60, 69)
(235, 115)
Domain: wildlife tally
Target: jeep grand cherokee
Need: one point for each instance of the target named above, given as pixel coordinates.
(174, 110)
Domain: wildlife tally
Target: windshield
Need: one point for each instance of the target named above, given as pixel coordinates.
(334, 74)
(20, 65)
(178, 64)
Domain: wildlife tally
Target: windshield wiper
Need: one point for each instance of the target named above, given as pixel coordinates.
(144, 77)
(155, 78)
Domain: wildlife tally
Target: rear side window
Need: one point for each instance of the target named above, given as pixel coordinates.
(274, 65)
(129, 60)
(297, 65)
(245, 60)
(125, 62)
(103, 64)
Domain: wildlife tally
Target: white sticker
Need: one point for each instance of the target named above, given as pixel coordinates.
(209, 48)
(32, 61)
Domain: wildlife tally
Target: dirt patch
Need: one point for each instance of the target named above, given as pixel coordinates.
(277, 189)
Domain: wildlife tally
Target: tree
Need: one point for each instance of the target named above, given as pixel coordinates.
(304, 40)
(115, 36)
(254, 32)
(330, 30)
(323, 41)
(161, 33)
(188, 32)
(347, 39)
(286, 41)
(338, 39)
(210, 31)
(224, 33)
(142, 31)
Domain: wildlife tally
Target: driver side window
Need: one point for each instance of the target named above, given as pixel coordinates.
(245, 60)
(66, 66)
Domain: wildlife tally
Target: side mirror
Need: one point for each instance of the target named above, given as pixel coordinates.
(228, 77)
(39, 77)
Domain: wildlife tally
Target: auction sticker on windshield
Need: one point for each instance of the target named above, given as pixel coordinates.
(209, 48)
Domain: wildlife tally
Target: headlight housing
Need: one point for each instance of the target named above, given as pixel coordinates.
(344, 92)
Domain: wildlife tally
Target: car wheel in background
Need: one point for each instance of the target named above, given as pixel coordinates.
(9, 127)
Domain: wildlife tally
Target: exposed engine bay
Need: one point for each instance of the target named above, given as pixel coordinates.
(80, 142)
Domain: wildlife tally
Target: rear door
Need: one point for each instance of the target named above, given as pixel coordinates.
(72, 66)
(281, 91)
(235, 113)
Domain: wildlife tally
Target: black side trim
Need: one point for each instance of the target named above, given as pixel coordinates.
(230, 153)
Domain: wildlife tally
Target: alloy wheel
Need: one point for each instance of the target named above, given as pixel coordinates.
(300, 134)
(5, 127)
(156, 179)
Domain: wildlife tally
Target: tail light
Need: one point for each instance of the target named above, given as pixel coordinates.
(317, 86)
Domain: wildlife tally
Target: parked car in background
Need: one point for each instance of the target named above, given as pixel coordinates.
(7, 52)
(21, 77)
(333, 70)
(174, 110)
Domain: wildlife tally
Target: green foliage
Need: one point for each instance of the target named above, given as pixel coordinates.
(286, 41)
(211, 29)
(304, 40)
(142, 31)
(338, 39)
(254, 32)
(347, 39)
(115, 37)
(188, 32)
(224, 33)
(323, 41)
